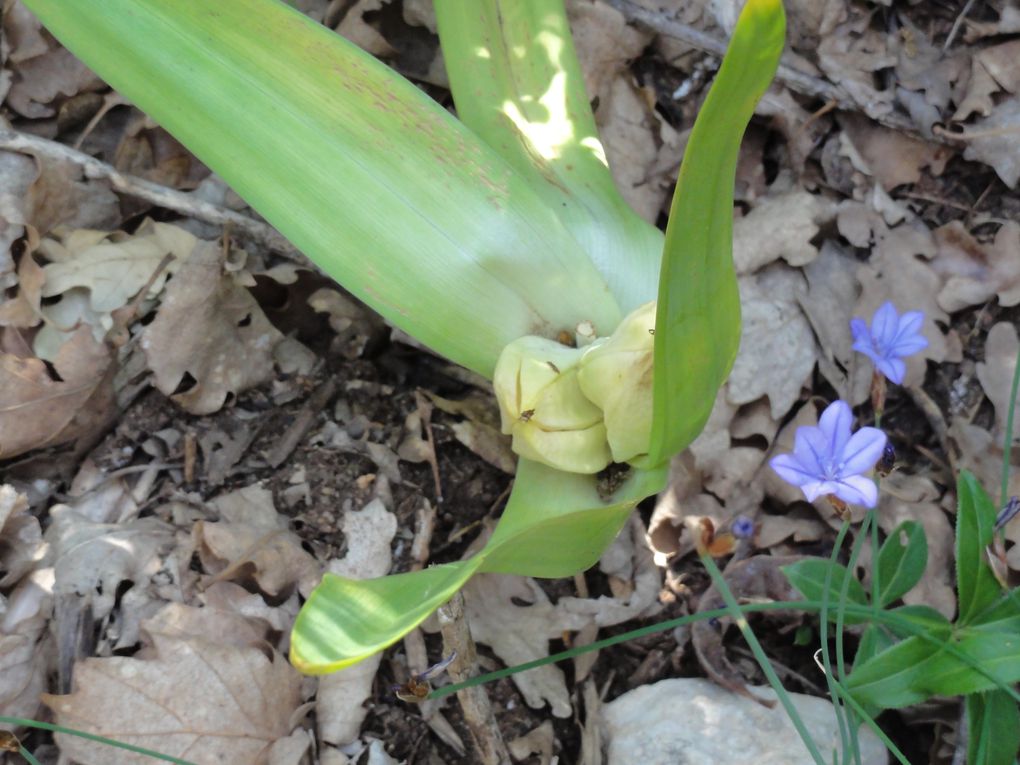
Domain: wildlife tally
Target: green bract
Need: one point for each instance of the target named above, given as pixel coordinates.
(467, 234)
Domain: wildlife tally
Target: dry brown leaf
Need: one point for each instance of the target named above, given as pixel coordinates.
(62, 195)
(974, 272)
(643, 151)
(253, 541)
(192, 699)
(850, 56)
(17, 173)
(21, 542)
(43, 79)
(479, 431)
(893, 158)
(519, 633)
(604, 42)
(91, 560)
(22, 33)
(228, 628)
(211, 329)
(26, 648)
(777, 349)
(993, 140)
(354, 27)
(996, 373)
(780, 226)
(828, 305)
(628, 560)
(915, 498)
(37, 410)
(24, 309)
(113, 267)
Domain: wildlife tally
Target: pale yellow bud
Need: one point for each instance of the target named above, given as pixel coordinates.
(616, 374)
(541, 405)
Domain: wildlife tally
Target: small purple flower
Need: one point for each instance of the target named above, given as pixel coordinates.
(742, 527)
(828, 460)
(890, 339)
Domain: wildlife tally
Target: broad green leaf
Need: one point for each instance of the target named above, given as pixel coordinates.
(808, 577)
(698, 314)
(917, 669)
(976, 585)
(923, 617)
(517, 83)
(993, 728)
(892, 678)
(366, 175)
(555, 524)
(998, 653)
(1003, 614)
(874, 640)
(347, 620)
(901, 561)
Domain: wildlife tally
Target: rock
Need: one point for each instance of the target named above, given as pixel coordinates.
(688, 720)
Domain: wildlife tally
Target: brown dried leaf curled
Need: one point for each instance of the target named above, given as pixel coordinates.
(37, 409)
(212, 329)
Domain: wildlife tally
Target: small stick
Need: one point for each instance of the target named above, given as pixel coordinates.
(302, 423)
(425, 415)
(161, 196)
(474, 702)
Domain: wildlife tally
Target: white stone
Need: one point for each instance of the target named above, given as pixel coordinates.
(688, 721)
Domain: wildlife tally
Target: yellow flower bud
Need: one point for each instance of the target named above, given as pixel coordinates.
(616, 374)
(541, 405)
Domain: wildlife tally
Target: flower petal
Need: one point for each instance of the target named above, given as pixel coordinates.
(791, 470)
(810, 448)
(908, 345)
(813, 491)
(862, 451)
(859, 330)
(893, 369)
(884, 325)
(910, 323)
(835, 424)
(858, 490)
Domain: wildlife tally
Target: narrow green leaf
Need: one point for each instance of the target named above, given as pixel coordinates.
(901, 561)
(976, 585)
(808, 576)
(993, 725)
(555, 524)
(365, 174)
(698, 314)
(517, 83)
(924, 617)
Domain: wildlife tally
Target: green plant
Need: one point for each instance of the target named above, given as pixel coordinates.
(506, 222)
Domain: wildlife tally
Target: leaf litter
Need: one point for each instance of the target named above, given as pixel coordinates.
(184, 562)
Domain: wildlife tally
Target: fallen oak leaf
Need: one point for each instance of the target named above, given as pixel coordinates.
(38, 409)
(212, 329)
(190, 698)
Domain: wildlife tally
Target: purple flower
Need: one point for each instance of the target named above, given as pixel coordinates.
(742, 527)
(889, 340)
(828, 460)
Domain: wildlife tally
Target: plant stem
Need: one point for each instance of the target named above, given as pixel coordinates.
(1007, 447)
(759, 653)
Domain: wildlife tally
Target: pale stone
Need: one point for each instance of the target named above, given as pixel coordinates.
(688, 721)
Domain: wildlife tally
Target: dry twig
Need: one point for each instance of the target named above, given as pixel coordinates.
(162, 196)
(473, 701)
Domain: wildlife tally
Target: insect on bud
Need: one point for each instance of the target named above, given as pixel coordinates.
(542, 407)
